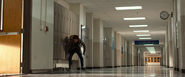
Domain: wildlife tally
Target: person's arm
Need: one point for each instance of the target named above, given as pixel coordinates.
(83, 46)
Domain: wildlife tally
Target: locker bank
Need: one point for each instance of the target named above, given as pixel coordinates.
(123, 38)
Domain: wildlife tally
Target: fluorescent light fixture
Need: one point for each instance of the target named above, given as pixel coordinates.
(135, 18)
(151, 49)
(145, 38)
(138, 25)
(143, 35)
(128, 8)
(148, 44)
(141, 31)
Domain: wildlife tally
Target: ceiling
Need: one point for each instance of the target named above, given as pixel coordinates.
(143, 48)
(105, 10)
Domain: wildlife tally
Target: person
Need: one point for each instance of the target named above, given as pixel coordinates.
(75, 47)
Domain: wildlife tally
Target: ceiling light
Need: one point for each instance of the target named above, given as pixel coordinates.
(148, 44)
(128, 8)
(151, 49)
(135, 18)
(143, 35)
(138, 25)
(145, 38)
(141, 31)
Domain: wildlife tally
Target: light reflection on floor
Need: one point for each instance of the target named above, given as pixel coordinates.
(137, 71)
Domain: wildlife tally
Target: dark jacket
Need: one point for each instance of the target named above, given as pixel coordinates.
(72, 46)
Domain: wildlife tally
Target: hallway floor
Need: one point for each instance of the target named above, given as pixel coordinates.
(140, 71)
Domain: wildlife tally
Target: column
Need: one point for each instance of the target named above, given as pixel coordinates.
(170, 52)
(89, 53)
(97, 43)
(181, 18)
(108, 33)
(118, 49)
(125, 52)
(174, 41)
(129, 54)
(162, 56)
(166, 49)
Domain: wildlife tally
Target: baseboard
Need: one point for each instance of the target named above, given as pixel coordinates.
(177, 69)
(183, 70)
(129, 65)
(42, 71)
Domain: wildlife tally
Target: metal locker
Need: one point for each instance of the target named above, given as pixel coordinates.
(62, 19)
(65, 19)
(69, 26)
(72, 26)
(59, 18)
(62, 47)
(55, 29)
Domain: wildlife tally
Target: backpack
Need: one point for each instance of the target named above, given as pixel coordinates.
(66, 42)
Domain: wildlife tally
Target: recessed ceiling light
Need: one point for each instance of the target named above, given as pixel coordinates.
(143, 35)
(141, 31)
(138, 25)
(145, 38)
(128, 8)
(135, 18)
(151, 49)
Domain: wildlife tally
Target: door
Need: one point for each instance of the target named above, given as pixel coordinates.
(10, 45)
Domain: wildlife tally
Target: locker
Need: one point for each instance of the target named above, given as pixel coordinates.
(69, 17)
(66, 21)
(63, 19)
(55, 30)
(59, 18)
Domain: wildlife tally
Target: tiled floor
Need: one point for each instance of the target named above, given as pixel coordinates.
(141, 71)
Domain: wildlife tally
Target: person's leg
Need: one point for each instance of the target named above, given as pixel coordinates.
(81, 58)
(70, 58)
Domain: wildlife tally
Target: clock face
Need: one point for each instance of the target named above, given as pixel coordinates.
(164, 15)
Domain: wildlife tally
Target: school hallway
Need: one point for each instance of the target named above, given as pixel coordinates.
(135, 71)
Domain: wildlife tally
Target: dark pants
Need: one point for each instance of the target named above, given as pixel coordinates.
(79, 55)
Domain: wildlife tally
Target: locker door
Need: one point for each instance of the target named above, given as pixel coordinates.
(73, 26)
(69, 26)
(55, 30)
(62, 19)
(59, 33)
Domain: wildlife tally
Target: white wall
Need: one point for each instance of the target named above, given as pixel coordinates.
(63, 3)
(41, 41)
(118, 47)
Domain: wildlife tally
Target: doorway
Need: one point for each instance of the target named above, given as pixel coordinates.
(10, 38)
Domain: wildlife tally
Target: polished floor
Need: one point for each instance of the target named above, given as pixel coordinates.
(136, 71)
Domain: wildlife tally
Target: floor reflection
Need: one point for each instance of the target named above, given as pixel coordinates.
(137, 71)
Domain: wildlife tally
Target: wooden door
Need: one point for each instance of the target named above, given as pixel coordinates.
(10, 45)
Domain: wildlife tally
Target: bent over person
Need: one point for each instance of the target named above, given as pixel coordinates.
(75, 47)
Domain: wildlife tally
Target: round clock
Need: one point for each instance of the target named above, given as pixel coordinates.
(164, 15)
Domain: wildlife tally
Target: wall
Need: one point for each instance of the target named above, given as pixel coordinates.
(63, 3)
(98, 43)
(42, 42)
(118, 47)
(108, 34)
